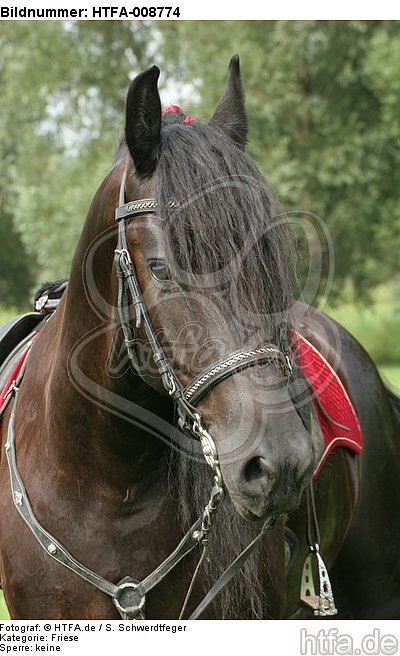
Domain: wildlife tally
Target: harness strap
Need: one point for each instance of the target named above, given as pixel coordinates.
(54, 548)
(128, 595)
(232, 570)
(58, 552)
(225, 367)
(128, 210)
(134, 207)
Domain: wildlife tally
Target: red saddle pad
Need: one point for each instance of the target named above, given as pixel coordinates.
(331, 401)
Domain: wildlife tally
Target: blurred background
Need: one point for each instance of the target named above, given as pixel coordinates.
(323, 101)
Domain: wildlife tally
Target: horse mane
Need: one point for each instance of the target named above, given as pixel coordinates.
(226, 203)
(228, 227)
(222, 203)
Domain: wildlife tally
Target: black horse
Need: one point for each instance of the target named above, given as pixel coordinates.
(186, 303)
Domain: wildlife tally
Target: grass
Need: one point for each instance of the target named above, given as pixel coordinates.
(377, 328)
(391, 376)
(3, 609)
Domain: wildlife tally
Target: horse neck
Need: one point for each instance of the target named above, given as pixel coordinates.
(84, 398)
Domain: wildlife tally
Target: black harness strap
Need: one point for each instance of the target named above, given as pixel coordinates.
(232, 570)
(128, 595)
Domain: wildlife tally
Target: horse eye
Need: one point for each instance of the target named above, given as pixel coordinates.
(159, 270)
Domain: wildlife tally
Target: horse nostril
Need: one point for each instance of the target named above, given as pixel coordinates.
(256, 469)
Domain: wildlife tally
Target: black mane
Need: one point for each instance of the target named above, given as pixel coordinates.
(226, 203)
(229, 226)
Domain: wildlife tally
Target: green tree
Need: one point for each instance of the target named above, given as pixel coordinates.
(322, 99)
(64, 87)
(323, 102)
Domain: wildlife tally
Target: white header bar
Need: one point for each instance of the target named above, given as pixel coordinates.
(197, 10)
(178, 638)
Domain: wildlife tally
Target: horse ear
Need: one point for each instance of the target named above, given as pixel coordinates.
(230, 114)
(143, 121)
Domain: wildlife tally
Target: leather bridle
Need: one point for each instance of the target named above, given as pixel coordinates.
(187, 397)
(129, 594)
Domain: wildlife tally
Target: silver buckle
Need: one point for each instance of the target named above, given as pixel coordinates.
(132, 607)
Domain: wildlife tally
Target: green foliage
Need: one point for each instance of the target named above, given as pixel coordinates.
(323, 102)
(61, 109)
(376, 326)
(3, 609)
(16, 271)
(322, 99)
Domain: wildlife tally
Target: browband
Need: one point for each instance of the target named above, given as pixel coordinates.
(129, 210)
(135, 207)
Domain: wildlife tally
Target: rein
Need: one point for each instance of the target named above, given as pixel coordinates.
(129, 595)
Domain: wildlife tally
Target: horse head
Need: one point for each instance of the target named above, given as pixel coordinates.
(207, 251)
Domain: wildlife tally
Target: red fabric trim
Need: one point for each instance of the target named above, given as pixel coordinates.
(333, 398)
(171, 108)
(13, 375)
(16, 369)
(176, 109)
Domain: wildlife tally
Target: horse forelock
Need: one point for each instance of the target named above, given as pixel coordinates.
(226, 224)
(224, 208)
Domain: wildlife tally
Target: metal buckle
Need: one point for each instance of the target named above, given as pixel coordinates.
(41, 303)
(129, 603)
(171, 386)
(11, 390)
(125, 260)
(209, 450)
